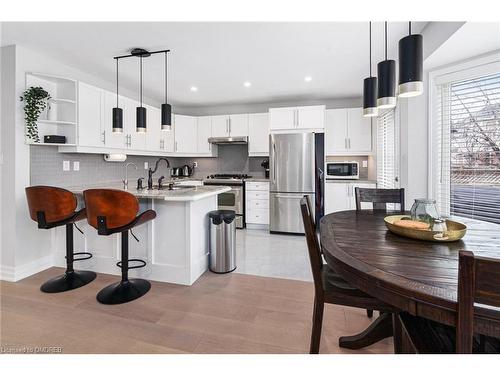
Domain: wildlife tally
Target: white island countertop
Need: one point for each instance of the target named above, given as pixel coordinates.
(181, 194)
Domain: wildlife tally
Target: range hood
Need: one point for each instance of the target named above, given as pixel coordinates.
(228, 140)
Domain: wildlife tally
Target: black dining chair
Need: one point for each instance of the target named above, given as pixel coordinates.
(330, 287)
(379, 199)
(478, 281)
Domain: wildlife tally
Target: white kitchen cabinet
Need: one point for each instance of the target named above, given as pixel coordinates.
(347, 132)
(297, 118)
(258, 134)
(133, 139)
(238, 125)
(89, 115)
(230, 125)
(282, 118)
(360, 131)
(220, 126)
(339, 196)
(204, 131)
(311, 117)
(110, 139)
(186, 141)
(257, 203)
(155, 140)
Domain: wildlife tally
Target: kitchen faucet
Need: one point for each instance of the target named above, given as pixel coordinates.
(152, 171)
(125, 182)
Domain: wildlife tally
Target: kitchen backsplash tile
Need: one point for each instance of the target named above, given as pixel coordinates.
(47, 166)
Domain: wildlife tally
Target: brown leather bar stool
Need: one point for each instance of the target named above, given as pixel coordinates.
(115, 211)
(52, 207)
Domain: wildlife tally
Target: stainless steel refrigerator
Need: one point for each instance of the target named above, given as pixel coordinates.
(296, 169)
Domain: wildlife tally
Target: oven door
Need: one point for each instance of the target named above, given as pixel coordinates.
(232, 200)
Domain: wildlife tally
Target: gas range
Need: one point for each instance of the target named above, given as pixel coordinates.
(233, 179)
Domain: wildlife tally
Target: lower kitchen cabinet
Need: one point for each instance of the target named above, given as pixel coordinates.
(257, 203)
(339, 196)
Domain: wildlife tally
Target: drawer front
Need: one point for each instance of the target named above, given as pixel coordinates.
(257, 216)
(257, 203)
(260, 195)
(257, 186)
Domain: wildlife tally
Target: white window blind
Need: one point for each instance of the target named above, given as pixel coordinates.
(468, 148)
(387, 151)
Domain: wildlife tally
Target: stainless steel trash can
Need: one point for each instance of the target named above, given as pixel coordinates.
(222, 241)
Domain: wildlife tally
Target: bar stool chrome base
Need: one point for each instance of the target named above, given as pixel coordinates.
(69, 281)
(123, 291)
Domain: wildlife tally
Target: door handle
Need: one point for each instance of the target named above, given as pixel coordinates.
(345, 143)
(297, 118)
(229, 121)
(274, 163)
(349, 140)
(289, 197)
(104, 136)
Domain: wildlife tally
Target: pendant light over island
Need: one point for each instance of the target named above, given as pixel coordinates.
(386, 72)
(141, 117)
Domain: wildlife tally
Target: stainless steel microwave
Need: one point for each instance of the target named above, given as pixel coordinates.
(342, 170)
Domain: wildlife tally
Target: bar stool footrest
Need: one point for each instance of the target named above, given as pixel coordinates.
(141, 265)
(85, 256)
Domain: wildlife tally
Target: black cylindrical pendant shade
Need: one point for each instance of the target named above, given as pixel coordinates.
(411, 69)
(370, 97)
(386, 93)
(117, 120)
(141, 119)
(166, 117)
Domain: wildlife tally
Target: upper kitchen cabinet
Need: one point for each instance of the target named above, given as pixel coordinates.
(186, 141)
(258, 134)
(89, 116)
(133, 139)
(155, 140)
(347, 132)
(204, 131)
(230, 125)
(297, 118)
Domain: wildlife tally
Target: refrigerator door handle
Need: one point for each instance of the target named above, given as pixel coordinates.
(296, 196)
(274, 162)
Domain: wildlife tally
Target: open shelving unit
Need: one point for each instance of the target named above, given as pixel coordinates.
(61, 118)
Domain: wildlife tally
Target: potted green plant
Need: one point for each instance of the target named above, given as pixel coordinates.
(35, 99)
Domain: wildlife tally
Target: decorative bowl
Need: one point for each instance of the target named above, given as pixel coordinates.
(454, 232)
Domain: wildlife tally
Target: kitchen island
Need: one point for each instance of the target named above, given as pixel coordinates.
(174, 245)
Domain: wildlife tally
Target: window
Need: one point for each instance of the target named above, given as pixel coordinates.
(387, 151)
(467, 144)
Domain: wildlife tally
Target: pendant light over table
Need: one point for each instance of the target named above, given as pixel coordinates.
(411, 65)
(370, 89)
(386, 72)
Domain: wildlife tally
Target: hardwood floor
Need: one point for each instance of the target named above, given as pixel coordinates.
(232, 313)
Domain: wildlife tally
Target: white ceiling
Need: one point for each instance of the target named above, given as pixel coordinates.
(218, 57)
(472, 39)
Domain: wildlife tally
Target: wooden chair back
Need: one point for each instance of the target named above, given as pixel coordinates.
(118, 207)
(478, 281)
(54, 203)
(312, 244)
(380, 198)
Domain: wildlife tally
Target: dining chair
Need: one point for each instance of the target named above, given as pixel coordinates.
(478, 282)
(330, 287)
(379, 198)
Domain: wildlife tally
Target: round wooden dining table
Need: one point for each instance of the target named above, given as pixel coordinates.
(418, 277)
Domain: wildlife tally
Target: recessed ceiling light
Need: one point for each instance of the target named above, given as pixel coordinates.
(194, 88)
(308, 78)
(247, 84)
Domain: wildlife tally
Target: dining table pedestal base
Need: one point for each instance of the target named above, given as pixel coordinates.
(380, 329)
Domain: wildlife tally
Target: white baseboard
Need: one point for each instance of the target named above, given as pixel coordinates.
(9, 273)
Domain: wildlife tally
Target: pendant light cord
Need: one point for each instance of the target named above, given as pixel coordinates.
(166, 78)
(116, 83)
(370, 33)
(386, 40)
(141, 80)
